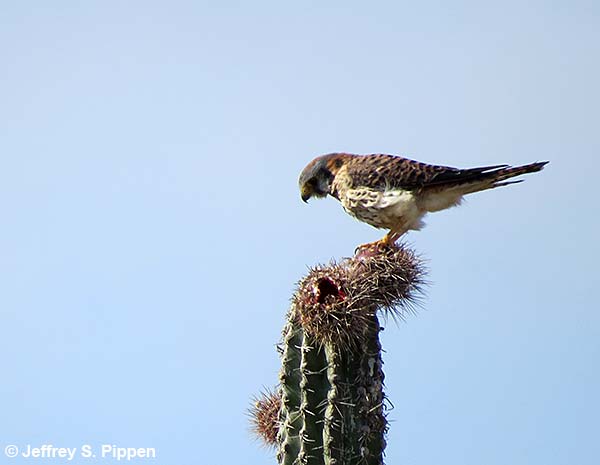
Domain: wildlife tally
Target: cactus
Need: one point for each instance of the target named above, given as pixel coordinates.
(329, 408)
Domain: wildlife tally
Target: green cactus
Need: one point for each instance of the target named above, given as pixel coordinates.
(329, 406)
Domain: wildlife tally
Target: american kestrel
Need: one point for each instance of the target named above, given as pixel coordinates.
(395, 193)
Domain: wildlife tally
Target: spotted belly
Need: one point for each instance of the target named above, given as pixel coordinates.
(396, 210)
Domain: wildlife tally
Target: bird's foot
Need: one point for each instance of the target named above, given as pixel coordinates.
(375, 247)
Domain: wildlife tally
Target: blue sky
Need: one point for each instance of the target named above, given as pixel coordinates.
(151, 229)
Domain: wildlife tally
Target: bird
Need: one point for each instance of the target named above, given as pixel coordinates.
(395, 193)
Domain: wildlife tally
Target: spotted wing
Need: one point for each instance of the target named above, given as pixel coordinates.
(382, 172)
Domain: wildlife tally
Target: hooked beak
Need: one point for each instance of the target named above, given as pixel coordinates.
(305, 194)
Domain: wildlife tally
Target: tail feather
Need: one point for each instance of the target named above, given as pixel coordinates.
(497, 177)
(506, 183)
(450, 177)
(509, 172)
(436, 197)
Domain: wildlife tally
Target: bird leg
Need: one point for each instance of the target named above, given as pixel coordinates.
(389, 239)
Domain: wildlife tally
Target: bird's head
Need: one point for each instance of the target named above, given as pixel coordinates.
(316, 179)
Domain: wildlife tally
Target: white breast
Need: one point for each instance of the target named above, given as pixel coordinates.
(436, 201)
(394, 209)
(401, 207)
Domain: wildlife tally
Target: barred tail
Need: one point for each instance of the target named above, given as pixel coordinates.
(510, 172)
(497, 177)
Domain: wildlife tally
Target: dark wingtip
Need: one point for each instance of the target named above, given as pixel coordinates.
(507, 183)
(537, 166)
